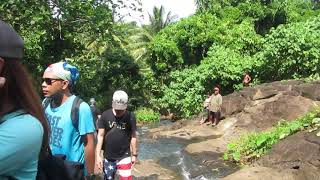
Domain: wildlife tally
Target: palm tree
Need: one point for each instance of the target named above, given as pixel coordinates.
(142, 36)
(159, 19)
(202, 5)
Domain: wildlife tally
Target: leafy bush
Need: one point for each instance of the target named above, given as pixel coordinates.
(254, 145)
(183, 43)
(185, 93)
(291, 51)
(165, 56)
(146, 115)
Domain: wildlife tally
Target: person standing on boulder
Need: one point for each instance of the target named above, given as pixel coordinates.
(215, 107)
(117, 137)
(246, 79)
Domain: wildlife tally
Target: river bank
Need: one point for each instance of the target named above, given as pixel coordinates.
(254, 110)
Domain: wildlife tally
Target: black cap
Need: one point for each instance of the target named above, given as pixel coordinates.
(11, 44)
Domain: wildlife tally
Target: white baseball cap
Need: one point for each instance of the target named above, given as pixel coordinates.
(120, 100)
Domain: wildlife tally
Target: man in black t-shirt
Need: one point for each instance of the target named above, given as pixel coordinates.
(117, 137)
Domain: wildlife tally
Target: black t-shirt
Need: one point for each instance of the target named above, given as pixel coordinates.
(118, 133)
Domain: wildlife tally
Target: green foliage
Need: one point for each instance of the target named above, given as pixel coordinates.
(146, 115)
(82, 32)
(159, 19)
(140, 37)
(183, 43)
(291, 51)
(185, 93)
(187, 42)
(217, 46)
(165, 56)
(252, 146)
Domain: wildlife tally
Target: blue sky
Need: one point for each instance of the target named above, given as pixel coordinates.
(181, 8)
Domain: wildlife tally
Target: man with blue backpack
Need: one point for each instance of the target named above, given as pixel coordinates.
(70, 118)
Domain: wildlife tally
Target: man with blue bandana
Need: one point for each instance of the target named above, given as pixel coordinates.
(76, 144)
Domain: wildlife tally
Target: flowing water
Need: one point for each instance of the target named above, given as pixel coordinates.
(169, 152)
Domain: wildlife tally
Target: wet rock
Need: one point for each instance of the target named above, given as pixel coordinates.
(149, 170)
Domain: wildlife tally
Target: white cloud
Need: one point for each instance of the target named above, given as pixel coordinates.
(181, 8)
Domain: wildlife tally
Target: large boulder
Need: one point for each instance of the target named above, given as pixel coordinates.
(300, 151)
(309, 90)
(264, 114)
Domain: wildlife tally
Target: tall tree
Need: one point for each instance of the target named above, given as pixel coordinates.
(159, 19)
(142, 36)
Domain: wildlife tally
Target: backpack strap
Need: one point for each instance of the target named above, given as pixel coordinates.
(75, 112)
(46, 103)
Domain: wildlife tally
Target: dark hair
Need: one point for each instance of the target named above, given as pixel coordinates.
(216, 86)
(19, 89)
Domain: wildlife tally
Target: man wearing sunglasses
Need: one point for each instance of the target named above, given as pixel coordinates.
(77, 143)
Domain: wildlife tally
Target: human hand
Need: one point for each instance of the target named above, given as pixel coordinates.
(99, 163)
(90, 177)
(133, 159)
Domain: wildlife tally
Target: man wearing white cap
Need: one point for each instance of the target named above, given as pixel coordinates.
(76, 142)
(117, 137)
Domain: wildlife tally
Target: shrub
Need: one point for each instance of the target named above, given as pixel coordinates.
(146, 115)
(252, 146)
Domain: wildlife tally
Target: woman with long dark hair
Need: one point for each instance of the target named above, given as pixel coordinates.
(23, 127)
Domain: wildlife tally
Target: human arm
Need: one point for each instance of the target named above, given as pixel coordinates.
(100, 137)
(133, 142)
(89, 153)
(133, 147)
(86, 130)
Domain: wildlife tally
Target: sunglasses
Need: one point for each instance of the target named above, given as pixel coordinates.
(49, 81)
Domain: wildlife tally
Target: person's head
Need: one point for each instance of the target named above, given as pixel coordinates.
(59, 78)
(120, 102)
(92, 101)
(216, 90)
(16, 89)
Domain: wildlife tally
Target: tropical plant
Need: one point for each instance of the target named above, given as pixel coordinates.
(140, 37)
(159, 19)
(77, 31)
(252, 146)
(291, 51)
(146, 115)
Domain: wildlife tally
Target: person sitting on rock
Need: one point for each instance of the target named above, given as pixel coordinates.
(206, 109)
(215, 107)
